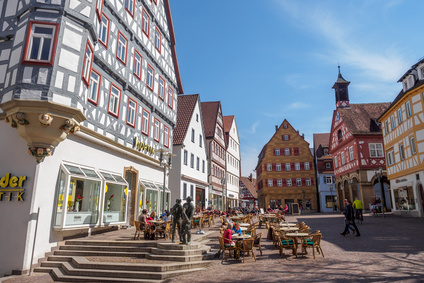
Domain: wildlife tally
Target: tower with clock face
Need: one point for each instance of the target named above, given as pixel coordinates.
(341, 90)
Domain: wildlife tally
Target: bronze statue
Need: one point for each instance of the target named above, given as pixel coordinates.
(177, 211)
(187, 217)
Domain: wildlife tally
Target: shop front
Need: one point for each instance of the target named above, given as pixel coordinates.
(153, 193)
(406, 196)
(216, 199)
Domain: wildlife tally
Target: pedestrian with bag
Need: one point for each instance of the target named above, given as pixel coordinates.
(349, 218)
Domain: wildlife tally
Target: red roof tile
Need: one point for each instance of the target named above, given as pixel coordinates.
(250, 185)
(228, 121)
(210, 114)
(186, 104)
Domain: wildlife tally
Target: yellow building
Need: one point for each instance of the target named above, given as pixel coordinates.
(403, 132)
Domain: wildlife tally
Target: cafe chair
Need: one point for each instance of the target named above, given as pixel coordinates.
(195, 223)
(262, 220)
(138, 229)
(246, 247)
(314, 242)
(286, 243)
(224, 248)
(257, 241)
(163, 231)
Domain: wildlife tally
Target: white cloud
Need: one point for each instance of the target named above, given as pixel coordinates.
(298, 105)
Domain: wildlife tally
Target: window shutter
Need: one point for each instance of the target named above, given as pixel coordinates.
(274, 182)
(296, 151)
(310, 165)
(303, 181)
(284, 182)
(292, 167)
(302, 166)
(274, 167)
(325, 179)
(312, 181)
(274, 151)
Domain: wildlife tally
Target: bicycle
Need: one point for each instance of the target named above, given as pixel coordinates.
(358, 216)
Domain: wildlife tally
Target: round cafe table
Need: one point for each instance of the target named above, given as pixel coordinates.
(244, 224)
(296, 237)
(287, 224)
(287, 229)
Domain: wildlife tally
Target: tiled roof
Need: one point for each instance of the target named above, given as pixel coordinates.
(186, 104)
(210, 114)
(228, 121)
(362, 118)
(251, 186)
(322, 139)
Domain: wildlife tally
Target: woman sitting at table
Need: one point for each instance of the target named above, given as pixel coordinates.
(236, 228)
(269, 209)
(152, 226)
(227, 236)
(143, 218)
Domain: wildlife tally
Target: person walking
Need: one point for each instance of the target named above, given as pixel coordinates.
(349, 218)
(357, 205)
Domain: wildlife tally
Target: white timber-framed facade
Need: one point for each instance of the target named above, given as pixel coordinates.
(233, 158)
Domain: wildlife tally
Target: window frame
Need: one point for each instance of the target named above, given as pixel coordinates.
(399, 114)
(133, 7)
(150, 75)
(287, 152)
(116, 115)
(279, 182)
(95, 102)
(192, 160)
(401, 151)
(158, 40)
(298, 182)
(118, 45)
(413, 145)
(278, 166)
(270, 182)
(351, 153)
(143, 21)
(393, 122)
(99, 9)
(139, 63)
(134, 109)
(289, 182)
(390, 157)
(101, 26)
(161, 90)
(296, 166)
(288, 167)
(269, 167)
(143, 119)
(166, 136)
(342, 156)
(377, 151)
(156, 130)
(306, 166)
(308, 182)
(29, 43)
(170, 97)
(185, 157)
(408, 109)
(86, 72)
(277, 152)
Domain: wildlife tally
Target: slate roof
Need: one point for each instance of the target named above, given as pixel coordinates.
(228, 121)
(210, 114)
(362, 118)
(250, 185)
(186, 104)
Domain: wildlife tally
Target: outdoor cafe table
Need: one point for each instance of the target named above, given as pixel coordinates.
(286, 229)
(297, 236)
(287, 224)
(238, 239)
(243, 229)
(244, 224)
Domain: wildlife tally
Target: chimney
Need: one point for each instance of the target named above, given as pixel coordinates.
(276, 127)
(251, 177)
(303, 136)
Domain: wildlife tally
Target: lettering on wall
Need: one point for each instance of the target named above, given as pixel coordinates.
(141, 146)
(12, 186)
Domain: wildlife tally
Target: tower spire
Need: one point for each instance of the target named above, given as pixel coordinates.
(341, 91)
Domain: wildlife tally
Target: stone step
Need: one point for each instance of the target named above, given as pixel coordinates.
(112, 243)
(158, 251)
(177, 246)
(105, 248)
(174, 257)
(99, 253)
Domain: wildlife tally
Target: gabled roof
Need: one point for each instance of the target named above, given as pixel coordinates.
(228, 121)
(322, 139)
(210, 115)
(186, 105)
(250, 185)
(362, 118)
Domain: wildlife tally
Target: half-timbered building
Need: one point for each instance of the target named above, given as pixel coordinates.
(89, 89)
(403, 132)
(248, 193)
(356, 144)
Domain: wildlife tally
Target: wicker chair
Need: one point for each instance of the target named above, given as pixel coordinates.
(246, 247)
(223, 248)
(257, 241)
(314, 242)
(286, 243)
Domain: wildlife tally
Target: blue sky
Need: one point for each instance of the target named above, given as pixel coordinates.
(270, 60)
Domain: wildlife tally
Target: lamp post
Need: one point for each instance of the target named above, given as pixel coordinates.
(224, 190)
(164, 153)
(379, 175)
(332, 199)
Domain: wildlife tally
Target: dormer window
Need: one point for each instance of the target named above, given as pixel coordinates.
(405, 85)
(411, 81)
(339, 134)
(325, 151)
(422, 72)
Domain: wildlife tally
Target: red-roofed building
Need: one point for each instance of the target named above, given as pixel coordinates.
(248, 194)
(356, 144)
(189, 174)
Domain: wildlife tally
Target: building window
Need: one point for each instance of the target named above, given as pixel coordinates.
(94, 89)
(150, 77)
(298, 182)
(193, 133)
(279, 182)
(170, 97)
(192, 160)
(308, 181)
(393, 121)
(335, 162)
(137, 64)
(192, 191)
(408, 109)
(145, 122)
(88, 60)
(278, 166)
(145, 24)
(129, 6)
(269, 167)
(329, 201)
(288, 167)
(184, 190)
(287, 151)
(161, 88)
(198, 164)
(99, 8)
(289, 182)
(165, 136)
(413, 147)
(270, 183)
(158, 40)
(386, 127)
(41, 43)
(351, 155)
(121, 48)
(390, 158)
(325, 151)
(114, 100)
(156, 131)
(104, 30)
(200, 141)
(297, 166)
(401, 152)
(327, 165)
(286, 137)
(277, 151)
(306, 166)
(339, 135)
(132, 106)
(399, 114)
(185, 157)
(203, 166)
(328, 180)
(376, 150)
(343, 158)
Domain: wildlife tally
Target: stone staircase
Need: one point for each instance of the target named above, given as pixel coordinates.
(116, 261)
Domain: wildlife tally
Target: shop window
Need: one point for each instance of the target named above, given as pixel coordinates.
(41, 43)
(115, 198)
(404, 199)
(329, 201)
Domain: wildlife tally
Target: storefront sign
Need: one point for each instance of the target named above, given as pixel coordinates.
(12, 184)
(141, 146)
(401, 180)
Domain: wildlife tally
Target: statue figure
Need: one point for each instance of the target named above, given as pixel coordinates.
(177, 211)
(187, 218)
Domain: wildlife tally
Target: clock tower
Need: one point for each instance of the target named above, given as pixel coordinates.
(341, 90)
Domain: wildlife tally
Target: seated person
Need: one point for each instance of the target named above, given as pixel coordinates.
(236, 229)
(152, 226)
(227, 236)
(269, 209)
(143, 219)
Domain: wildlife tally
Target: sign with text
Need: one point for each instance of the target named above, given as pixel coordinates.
(12, 186)
(141, 146)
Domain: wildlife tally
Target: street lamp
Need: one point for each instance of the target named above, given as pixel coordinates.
(379, 174)
(332, 199)
(224, 190)
(162, 155)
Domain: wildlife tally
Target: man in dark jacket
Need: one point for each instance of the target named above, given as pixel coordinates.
(349, 218)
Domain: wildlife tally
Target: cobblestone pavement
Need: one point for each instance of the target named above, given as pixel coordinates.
(390, 249)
